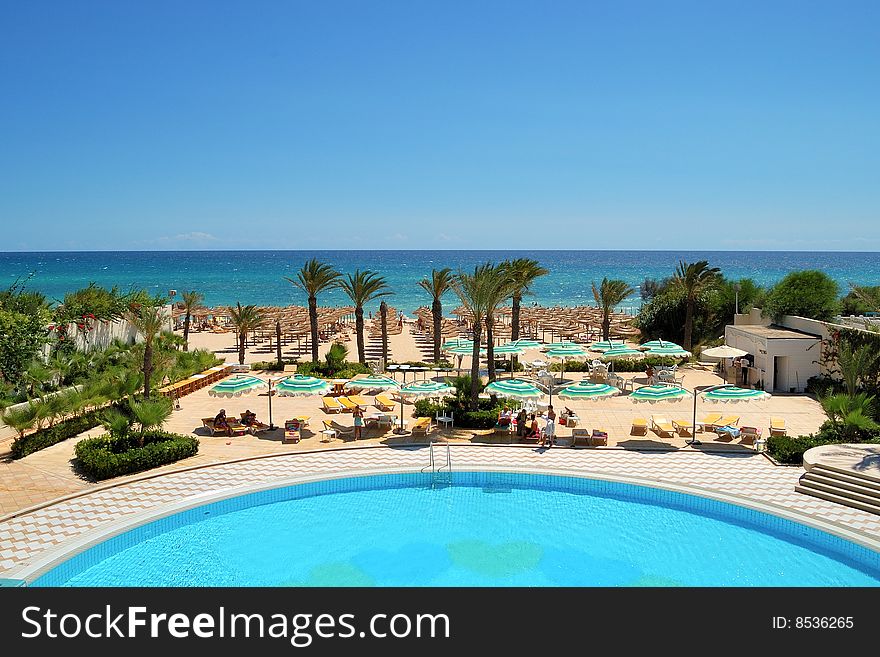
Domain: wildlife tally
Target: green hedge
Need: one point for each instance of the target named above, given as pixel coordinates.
(43, 438)
(321, 370)
(790, 449)
(105, 457)
(272, 365)
(620, 365)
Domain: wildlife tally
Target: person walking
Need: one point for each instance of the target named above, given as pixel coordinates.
(358, 415)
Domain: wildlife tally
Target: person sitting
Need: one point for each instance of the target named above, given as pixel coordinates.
(533, 431)
(220, 422)
(649, 372)
(504, 417)
(248, 418)
(521, 417)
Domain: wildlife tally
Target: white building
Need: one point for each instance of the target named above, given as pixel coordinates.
(784, 359)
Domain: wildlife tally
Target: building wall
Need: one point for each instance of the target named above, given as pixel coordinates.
(103, 333)
(804, 356)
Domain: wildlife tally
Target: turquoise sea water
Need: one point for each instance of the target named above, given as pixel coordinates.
(258, 276)
(487, 529)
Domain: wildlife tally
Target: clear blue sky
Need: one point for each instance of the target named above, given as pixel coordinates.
(410, 124)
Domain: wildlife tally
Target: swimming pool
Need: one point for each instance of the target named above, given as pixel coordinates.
(484, 529)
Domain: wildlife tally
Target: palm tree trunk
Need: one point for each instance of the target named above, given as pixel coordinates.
(313, 325)
(384, 321)
(514, 318)
(437, 312)
(278, 344)
(359, 329)
(186, 333)
(475, 365)
(688, 325)
(490, 346)
(606, 323)
(241, 341)
(148, 367)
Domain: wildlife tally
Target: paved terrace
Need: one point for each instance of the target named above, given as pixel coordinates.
(30, 536)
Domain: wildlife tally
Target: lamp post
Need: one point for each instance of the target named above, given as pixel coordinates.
(271, 426)
(699, 390)
(736, 288)
(547, 379)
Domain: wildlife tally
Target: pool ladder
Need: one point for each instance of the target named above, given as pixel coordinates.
(441, 472)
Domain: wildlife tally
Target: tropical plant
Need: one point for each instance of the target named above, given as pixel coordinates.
(499, 290)
(810, 293)
(314, 278)
(245, 319)
(148, 321)
(116, 422)
(362, 287)
(861, 299)
(21, 418)
(150, 414)
(439, 284)
(523, 273)
(478, 292)
(608, 295)
(855, 364)
(335, 357)
(192, 301)
(851, 416)
(693, 280)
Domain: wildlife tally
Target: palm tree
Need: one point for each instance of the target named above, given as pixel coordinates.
(438, 285)
(499, 289)
(693, 280)
(855, 364)
(608, 295)
(313, 278)
(192, 301)
(149, 322)
(150, 414)
(479, 292)
(21, 418)
(523, 272)
(851, 416)
(383, 320)
(278, 344)
(245, 319)
(362, 287)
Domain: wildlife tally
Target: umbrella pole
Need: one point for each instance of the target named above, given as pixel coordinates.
(271, 426)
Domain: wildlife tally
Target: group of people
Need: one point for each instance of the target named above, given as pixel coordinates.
(527, 424)
(248, 419)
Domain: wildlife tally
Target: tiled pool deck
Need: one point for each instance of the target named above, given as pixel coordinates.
(31, 536)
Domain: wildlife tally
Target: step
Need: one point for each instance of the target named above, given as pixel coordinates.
(842, 492)
(846, 484)
(833, 470)
(831, 497)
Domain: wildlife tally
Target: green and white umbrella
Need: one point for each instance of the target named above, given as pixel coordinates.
(669, 350)
(238, 386)
(621, 351)
(526, 344)
(605, 345)
(372, 383)
(464, 350)
(659, 393)
(734, 394)
(560, 344)
(588, 391)
(567, 351)
(457, 342)
(509, 348)
(426, 389)
(515, 388)
(658, 343)
(302, 386)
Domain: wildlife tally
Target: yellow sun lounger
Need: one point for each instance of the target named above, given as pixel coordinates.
(711, 421)
(383, 403)
(728, 421)
(639, 426)
(662, 426)
(777, 426)
(331, 404)
(684, 427)
(421, 426)
(360, 401)
(347, 404)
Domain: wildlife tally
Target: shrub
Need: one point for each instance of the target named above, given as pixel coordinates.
(320, 369)
(484, 419)
(105, 457)
(622, 365)
(788, 449)
(428, 408)
(809, 293)
(272, 365)
(49, 436)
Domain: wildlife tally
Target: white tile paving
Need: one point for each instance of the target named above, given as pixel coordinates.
(26, 537)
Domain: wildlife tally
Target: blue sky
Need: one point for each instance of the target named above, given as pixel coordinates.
(410, 124)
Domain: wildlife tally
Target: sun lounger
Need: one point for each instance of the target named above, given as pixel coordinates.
(749, 435)
(290, 368)
(340, 429)
(684, 427)
(777, 426)
(639, 426)
(579, 433)
(598, 437)
(421, 426)
(347, 404)
(727, 421)
(711, 421)
(360, 401)
(292, 430)
(662, 426)
(331, 405)
(383, 403)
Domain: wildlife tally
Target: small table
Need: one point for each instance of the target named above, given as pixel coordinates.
(327, 435)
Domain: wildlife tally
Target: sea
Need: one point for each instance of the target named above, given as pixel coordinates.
(258, 277)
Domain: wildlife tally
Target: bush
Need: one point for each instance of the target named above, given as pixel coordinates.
(810, 293)
(418, 363)
(428, 408)
(43, 438)
(105, 457)
(321, 369)
(788, 449)
(477, 419)
(272, 365)
(622, 365)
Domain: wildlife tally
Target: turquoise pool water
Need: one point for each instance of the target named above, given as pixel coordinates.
(486, 529)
